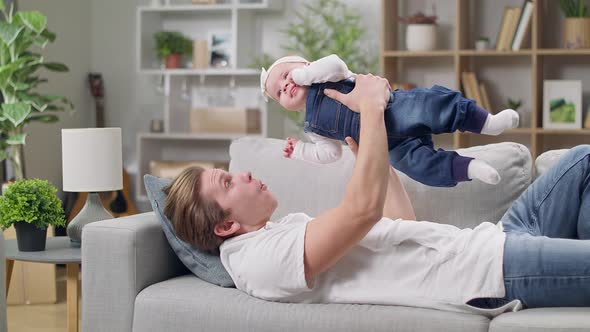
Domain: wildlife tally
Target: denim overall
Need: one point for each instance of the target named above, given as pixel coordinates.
(411, 117)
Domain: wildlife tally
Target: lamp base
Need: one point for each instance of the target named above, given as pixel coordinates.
(92, 211)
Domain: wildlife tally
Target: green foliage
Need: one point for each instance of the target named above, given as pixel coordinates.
(262, 61)
(172, 42)
(514, 104)
(33, 201)
(327, 27)
(574, 8)
(20, 32)
(324, 27)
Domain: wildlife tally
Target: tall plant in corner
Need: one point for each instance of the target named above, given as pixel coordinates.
(21, 33)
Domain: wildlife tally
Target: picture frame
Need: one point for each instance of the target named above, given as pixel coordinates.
(220, 45)
(562, 104)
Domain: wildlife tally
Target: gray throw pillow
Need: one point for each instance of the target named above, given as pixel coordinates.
(204, 265)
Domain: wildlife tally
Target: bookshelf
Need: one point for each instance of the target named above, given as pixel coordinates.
(540, 58)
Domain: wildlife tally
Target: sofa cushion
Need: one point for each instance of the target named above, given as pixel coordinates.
(188, 304)
(204, 265)
(303, 187)
(546, 160)
(544, 320)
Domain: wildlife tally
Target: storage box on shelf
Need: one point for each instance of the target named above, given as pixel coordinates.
(190, 93)
(506, 73)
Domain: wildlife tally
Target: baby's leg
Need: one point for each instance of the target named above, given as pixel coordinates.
(416, 157)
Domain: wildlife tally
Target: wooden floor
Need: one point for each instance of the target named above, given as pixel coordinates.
(41, 317)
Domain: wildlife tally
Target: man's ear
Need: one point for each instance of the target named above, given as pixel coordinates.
(226, 228)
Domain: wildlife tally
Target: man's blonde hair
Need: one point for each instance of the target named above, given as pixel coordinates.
(193, 216)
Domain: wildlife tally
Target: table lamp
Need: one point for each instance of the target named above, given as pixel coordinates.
(92, 162)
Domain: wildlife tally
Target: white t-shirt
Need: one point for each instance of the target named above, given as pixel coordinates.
(407, 263)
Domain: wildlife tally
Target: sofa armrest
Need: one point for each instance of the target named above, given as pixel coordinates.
(120, 257)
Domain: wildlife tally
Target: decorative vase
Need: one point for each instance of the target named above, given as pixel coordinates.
(92, 211)
(576, 33)
(421, 37)
(481, 45)
(173, 61)
(29, 237)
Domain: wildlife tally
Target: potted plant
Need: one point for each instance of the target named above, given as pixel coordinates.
(576, 32)
(421, 32)
(171, 46)
(31, 205)
(21, 31)
(482, 43)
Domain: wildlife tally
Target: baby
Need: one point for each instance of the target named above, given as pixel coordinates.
(411, 118)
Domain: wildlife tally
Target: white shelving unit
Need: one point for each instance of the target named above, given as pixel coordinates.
(186, 88)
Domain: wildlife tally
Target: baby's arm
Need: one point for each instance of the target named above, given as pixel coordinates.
(322, 151)
(327, 69)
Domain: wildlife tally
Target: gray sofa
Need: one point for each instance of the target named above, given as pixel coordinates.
(3, 323)
(132, 281)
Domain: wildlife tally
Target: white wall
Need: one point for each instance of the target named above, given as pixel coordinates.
(70, 21)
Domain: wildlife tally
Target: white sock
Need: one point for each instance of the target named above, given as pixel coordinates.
(480, 170)
(497, 123)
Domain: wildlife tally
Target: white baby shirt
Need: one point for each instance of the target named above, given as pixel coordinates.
(327, 69)
(408, 263)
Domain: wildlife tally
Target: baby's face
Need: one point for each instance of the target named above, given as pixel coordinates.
(282, 89)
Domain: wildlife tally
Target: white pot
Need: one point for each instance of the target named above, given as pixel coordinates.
(421, 37)
(481, 45)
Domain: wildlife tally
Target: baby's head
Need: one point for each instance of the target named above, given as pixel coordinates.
(277, 83)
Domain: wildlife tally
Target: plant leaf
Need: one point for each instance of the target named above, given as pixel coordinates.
(33, 20)
(16, 113)
(3, 153)
(17, 139)
(9, 32)
(54, 66)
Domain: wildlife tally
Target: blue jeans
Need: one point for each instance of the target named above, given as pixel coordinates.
(547, 250)
(410, 119)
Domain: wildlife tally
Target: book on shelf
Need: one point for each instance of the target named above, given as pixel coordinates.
(484, 97)
(507, 28)
(471, 87)
(523, 25)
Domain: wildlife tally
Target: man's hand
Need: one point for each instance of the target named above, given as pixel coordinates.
(289, 147)
(357, 98)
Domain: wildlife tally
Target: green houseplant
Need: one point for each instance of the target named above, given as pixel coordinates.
(31, 205)
(327, 27)
(171, 46)
(576, 32)
(21, 34)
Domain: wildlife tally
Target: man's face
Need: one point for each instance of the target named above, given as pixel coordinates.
(248, 199)
(281, 88)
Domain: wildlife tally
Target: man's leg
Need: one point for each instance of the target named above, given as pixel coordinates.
(546, 272)
(557, 204)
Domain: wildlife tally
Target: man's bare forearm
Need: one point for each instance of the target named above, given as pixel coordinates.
(397, 202)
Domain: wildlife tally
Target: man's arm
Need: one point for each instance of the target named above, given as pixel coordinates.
(329, 236)
(397, 202)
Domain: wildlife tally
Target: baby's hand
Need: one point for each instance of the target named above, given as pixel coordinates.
(289, 147)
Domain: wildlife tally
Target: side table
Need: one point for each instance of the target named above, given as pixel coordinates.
(57, 251)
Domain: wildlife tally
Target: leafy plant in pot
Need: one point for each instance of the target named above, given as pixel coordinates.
(31, 206)
(22, 33)
(171, 46)
(420, 32)
(576, 33)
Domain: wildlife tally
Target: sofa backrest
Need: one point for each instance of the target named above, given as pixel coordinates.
(303, 187)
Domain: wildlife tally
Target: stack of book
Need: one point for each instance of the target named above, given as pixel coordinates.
(514, 27)
(475, 90)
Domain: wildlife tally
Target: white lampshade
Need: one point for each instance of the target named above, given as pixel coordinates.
(92, 159)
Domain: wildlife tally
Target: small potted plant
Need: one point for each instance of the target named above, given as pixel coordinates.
(482, 43)
(421, 32)
(576, 33)
(31, 206)
(171, 46)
